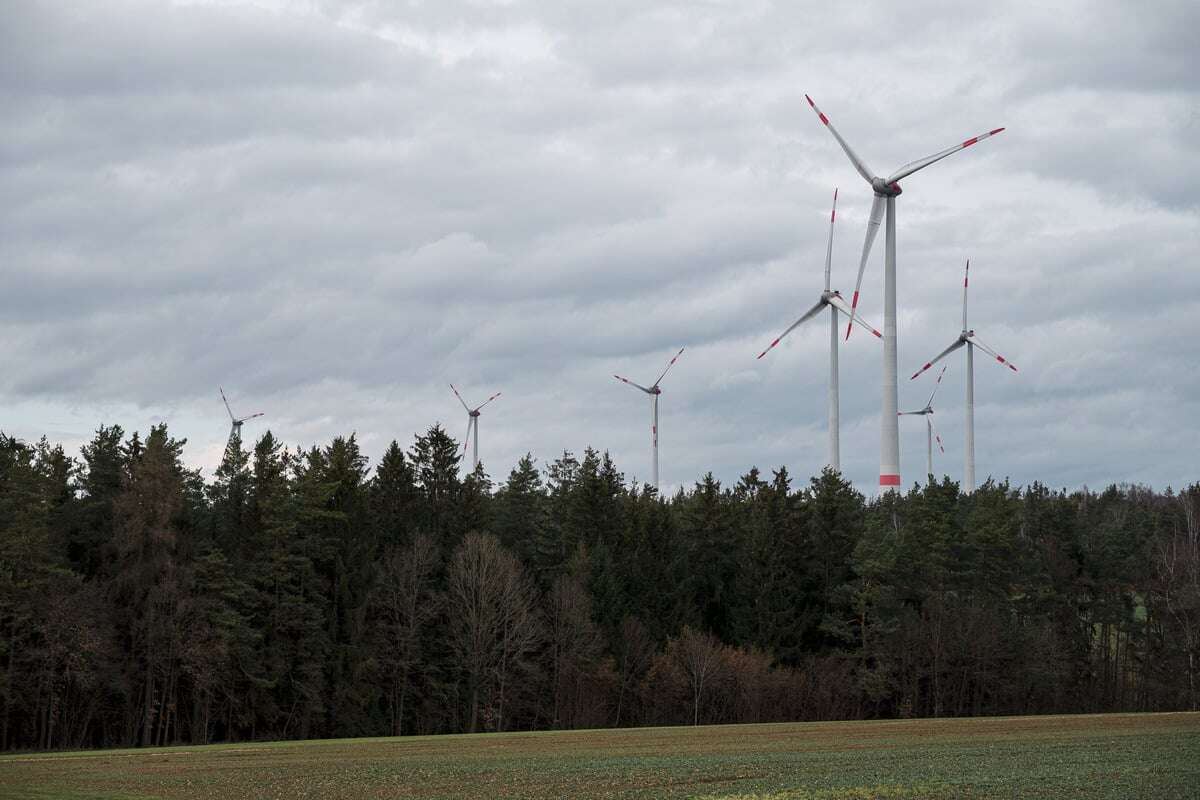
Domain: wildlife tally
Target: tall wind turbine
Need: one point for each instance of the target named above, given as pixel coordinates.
(886, 191)
(236, 427)
(654, 392)
(967, 337)
(930, 432)
(831, 299)
(472, 424)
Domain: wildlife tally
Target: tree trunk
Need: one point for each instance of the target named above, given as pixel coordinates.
(12, 651)
(474, 706)
(148, 707)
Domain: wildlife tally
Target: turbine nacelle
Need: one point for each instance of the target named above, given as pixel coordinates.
(884, 189)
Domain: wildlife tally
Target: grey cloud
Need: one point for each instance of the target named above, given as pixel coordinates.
(335, 211)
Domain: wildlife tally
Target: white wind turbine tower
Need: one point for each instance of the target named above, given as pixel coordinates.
(886, 190)
(967, 337)
(236, 427)
(930, 432)
(831, 299)
(472, 424)
(654, 392)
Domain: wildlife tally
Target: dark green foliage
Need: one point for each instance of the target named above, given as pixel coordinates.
(303, 594)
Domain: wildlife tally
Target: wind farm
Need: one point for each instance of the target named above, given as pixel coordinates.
(738, 582)
(885, 191)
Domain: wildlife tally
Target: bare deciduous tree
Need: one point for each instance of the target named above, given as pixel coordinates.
(575, 644)
(698, 656)
(405, 603)
(635, 651)
(494, 623)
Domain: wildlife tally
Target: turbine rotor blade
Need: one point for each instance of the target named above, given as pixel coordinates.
(957, 344)
(858, 163)
(226, 401)
(631, 383)
(812, 312)
(459, 396)
(829, 246)
(843, 307)
(913, 166)
(467, 438)
(975, 341)
(966, 276)
(490, 399)
(933, 428)
(670, 364)
(252, 416)
(877, 207)
(936, 384)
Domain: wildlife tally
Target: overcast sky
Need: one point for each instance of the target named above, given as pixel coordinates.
(335, 209)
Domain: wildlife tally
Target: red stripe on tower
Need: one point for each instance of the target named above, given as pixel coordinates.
(889, 480)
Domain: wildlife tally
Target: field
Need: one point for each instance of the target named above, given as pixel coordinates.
(1105, 756)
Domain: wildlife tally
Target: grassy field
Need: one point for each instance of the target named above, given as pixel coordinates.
(1108, 756)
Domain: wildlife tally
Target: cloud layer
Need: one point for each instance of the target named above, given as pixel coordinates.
(334, 210)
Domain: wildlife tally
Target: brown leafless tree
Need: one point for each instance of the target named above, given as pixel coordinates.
(698, 656)
(494, 624)
(405, 603)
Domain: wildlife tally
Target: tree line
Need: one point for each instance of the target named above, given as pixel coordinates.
(303, 594)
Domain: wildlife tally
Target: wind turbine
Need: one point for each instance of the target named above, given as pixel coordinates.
(967, 337)
(831, 299)
(654, 392)
(472, 424)
(930, 432)
(886, 191)
(236, 428)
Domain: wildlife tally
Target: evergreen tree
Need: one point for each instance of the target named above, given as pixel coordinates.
(435, 458)
(393, 498)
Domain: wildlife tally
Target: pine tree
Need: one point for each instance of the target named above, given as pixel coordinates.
(147, 582)
(393, 498)
(521, 518)
(435, 459)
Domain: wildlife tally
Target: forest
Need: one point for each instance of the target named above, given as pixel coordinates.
(306, 593)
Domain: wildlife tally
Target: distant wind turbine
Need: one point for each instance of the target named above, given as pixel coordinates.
(967, 337)
(236, 427)
(472, 424)
(886, 191)
(654, 392)
(831, 299)
(930, 432)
